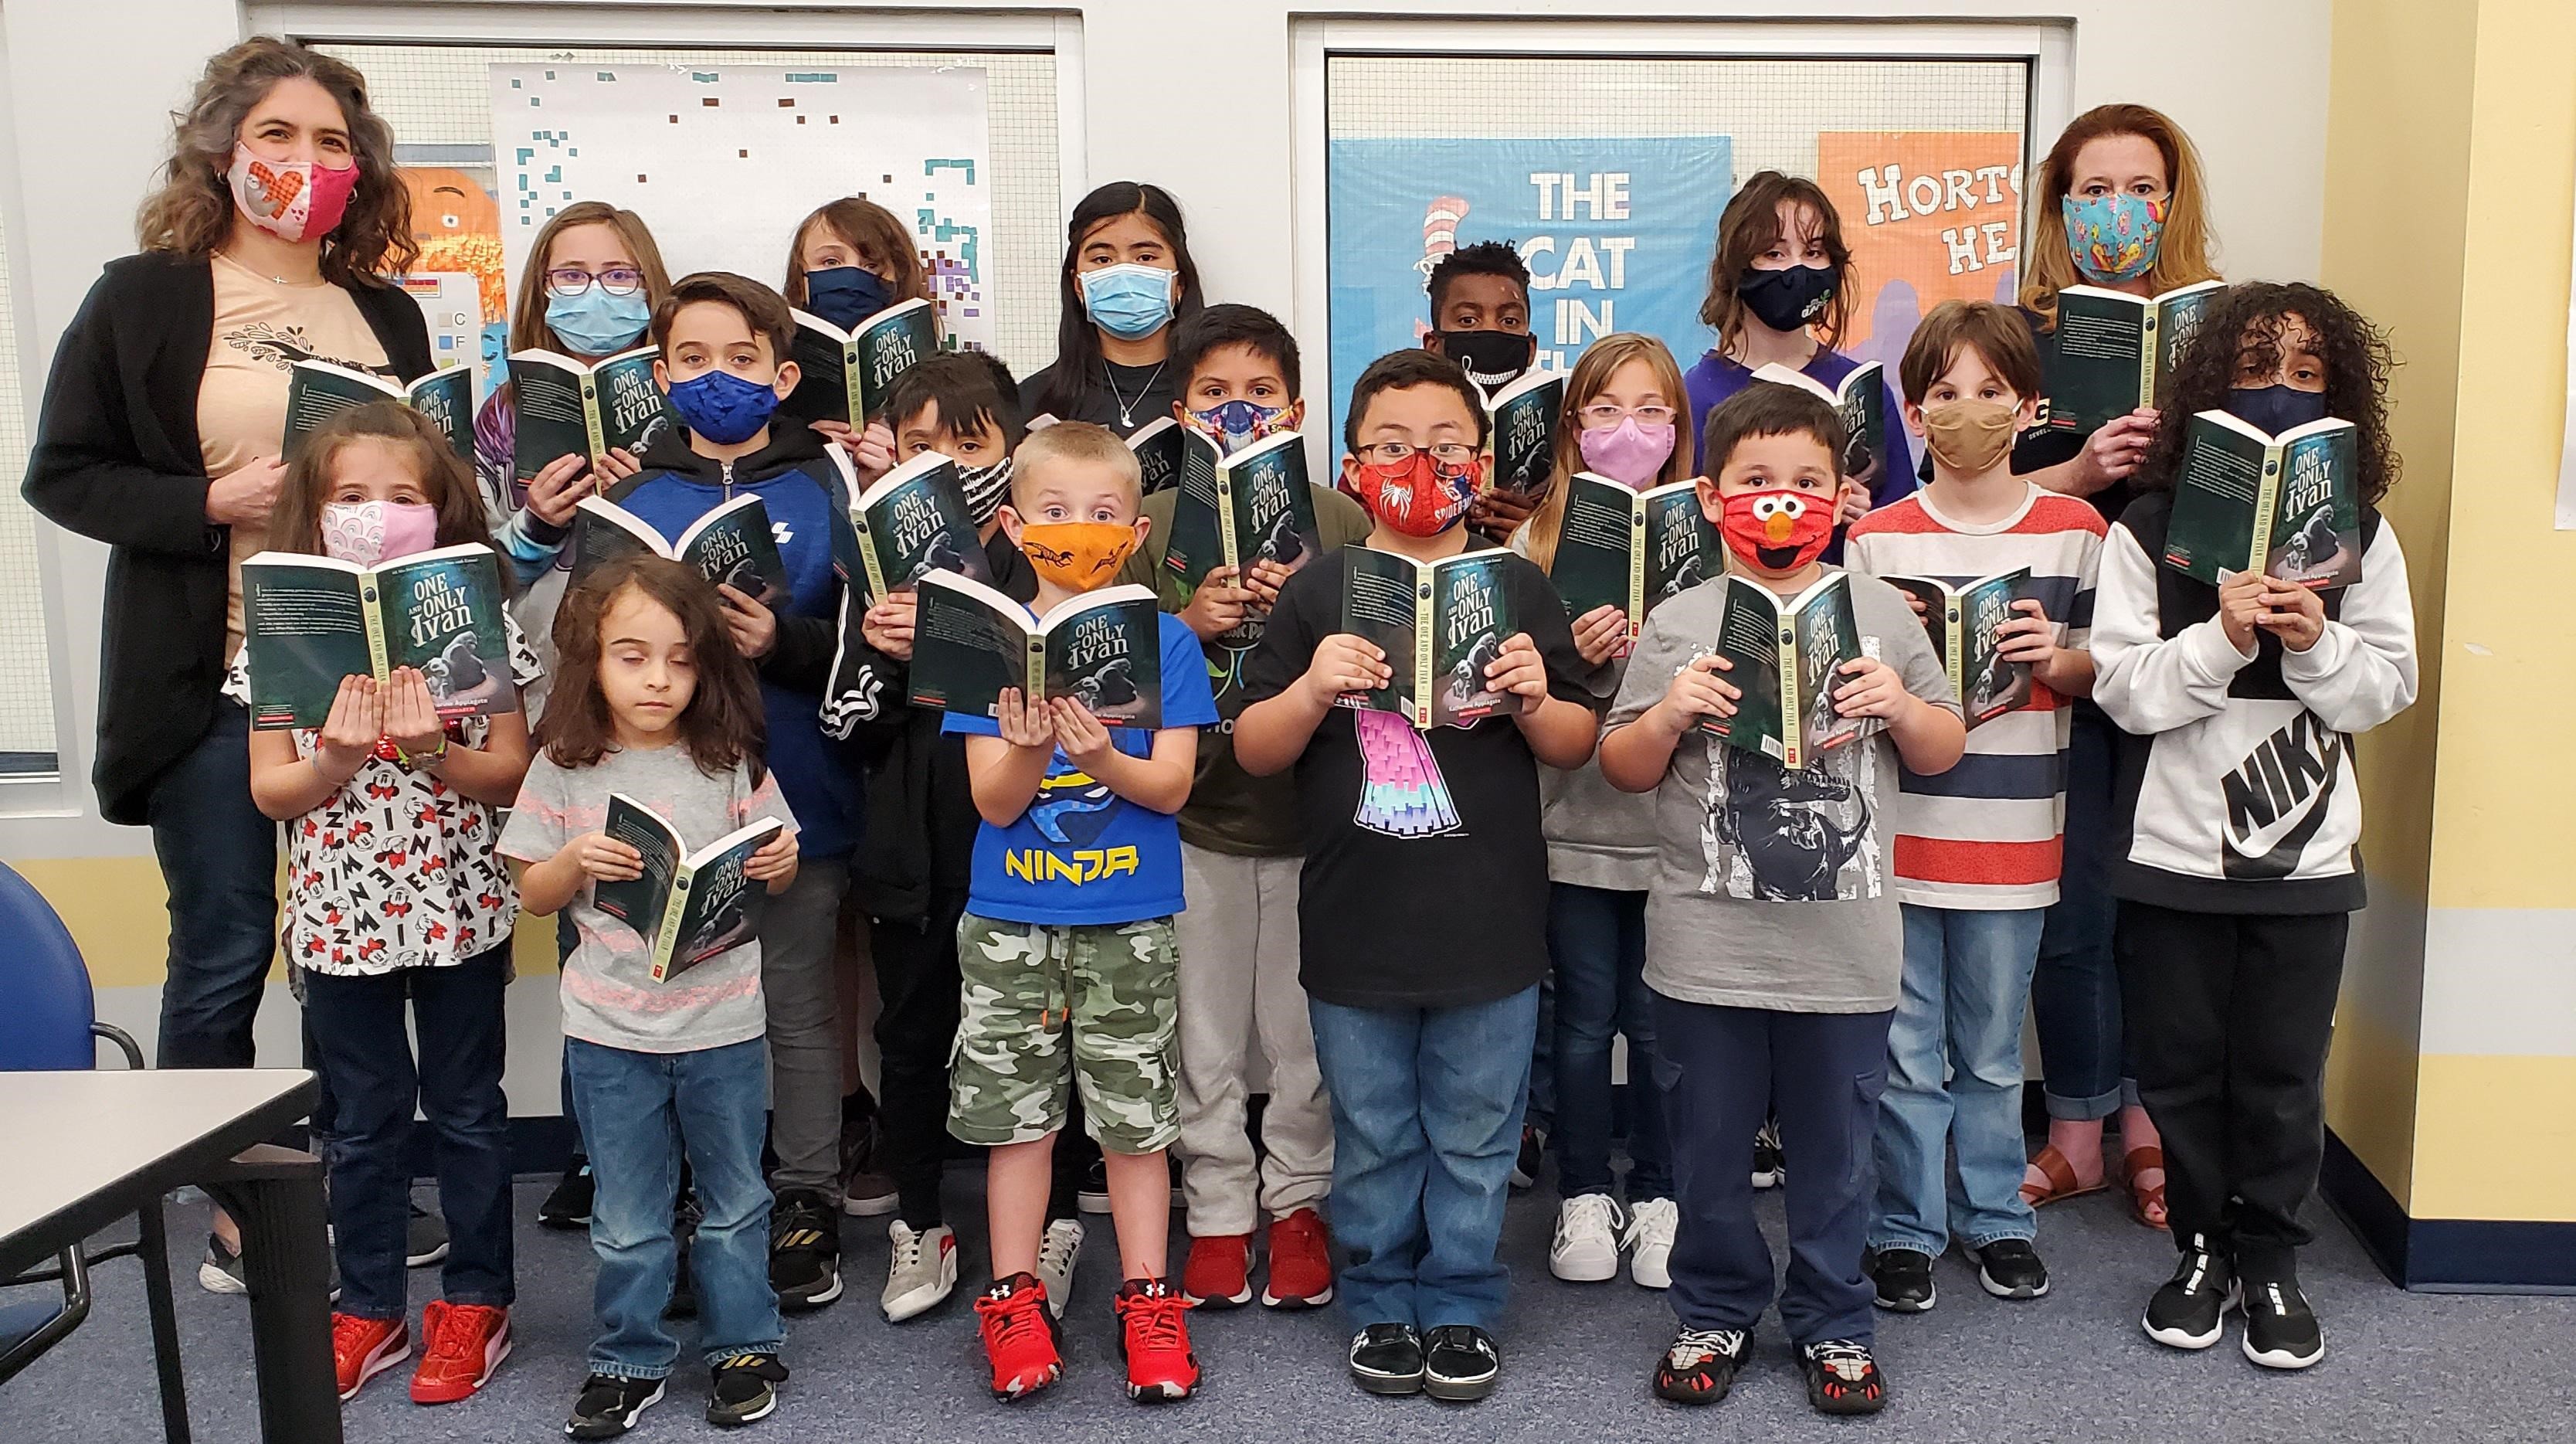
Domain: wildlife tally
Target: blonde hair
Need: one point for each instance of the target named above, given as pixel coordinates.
(2182, 251)
(1592, 373)
(1077, 443)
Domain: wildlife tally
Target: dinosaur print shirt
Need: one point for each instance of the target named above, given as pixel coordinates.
(396, 869)
(1773, 888)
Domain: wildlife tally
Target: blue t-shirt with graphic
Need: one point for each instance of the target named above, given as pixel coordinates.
(1082, 854)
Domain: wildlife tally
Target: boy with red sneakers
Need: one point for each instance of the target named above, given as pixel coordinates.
(1066, 946)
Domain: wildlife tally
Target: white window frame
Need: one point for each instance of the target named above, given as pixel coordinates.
(2048, 49)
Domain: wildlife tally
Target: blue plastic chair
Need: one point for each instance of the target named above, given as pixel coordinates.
(48, 1023)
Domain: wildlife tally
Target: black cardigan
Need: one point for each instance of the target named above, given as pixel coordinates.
(117, 458)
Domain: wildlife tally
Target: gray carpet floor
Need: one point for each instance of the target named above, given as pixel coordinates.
(2072, 1366)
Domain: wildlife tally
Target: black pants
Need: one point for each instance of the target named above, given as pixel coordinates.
(917, 1010)
(2230, 1015)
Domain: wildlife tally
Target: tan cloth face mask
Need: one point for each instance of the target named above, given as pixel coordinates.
(1968, 436)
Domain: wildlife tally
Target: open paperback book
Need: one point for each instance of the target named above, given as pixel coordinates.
(1104, 649)
(2114, 351)
(913, 522)
(847, 375)
(568, 407)
(1253, 506)
(687, 906)
(1161, 445)
(1630, 549)
(1860, 398)
(2288, 505)
(313, 620)
(1965, 623)
(1787, 655)
(316, 391)
(1520, 451)
(1441, 624)
(731, 545)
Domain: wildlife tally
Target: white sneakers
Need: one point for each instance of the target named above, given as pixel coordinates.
(1057, 1253)
(1592, 1231)
(922, 1271)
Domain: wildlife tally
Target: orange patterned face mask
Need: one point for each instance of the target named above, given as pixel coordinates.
(293, 200)
(1077, 555)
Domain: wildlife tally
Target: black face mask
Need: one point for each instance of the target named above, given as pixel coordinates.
(2276, 408)
(1787, 300)
(1491, 359)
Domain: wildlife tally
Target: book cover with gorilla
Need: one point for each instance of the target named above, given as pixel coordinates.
(1964, 624)
(687, 906)
(1630, 549)
(2286, 505)
(913, 522)
(1785, 656)
(971, 643)
(312, 620)
(732, 545)
(1441, 624)
(1234, 511)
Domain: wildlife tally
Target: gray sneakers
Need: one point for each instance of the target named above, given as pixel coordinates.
(922, 1272)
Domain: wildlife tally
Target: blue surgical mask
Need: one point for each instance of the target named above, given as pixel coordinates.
(2276, 408)
(1129, 302)
(846, 295)
(722, 407)
(597, 323)
(1237, 424)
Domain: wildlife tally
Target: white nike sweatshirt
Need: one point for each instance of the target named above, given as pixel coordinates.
(2236, 787)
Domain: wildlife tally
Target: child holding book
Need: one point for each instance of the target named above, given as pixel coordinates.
(653, 703)
(418, 914)
(1068, 964)
(2234, 913)
(1421, 904)
(724, 340)
(1480, 318)
(1772, 935)
(1621, 422)
(850, 259)
(1976, 853)
(1239, 997)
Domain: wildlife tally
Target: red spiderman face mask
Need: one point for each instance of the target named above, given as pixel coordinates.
(1416, 496)
(1778, 530)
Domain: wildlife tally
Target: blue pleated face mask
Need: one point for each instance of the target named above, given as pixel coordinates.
(846, 295)
(722, 407)
(1130, 301)
(597, 323)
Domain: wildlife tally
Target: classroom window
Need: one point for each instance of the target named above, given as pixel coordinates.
(27, 741)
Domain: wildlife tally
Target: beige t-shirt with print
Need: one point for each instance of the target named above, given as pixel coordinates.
(262, 328)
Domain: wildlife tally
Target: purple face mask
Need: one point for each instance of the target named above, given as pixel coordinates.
(371, 533)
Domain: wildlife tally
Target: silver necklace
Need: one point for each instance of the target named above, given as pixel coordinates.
(1126, 413)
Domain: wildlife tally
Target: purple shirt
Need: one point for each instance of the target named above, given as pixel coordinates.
(1716, 378)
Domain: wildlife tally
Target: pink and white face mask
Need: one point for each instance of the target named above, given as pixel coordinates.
(293, 200)
(371, 533)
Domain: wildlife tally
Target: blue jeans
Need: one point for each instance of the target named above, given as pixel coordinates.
(1541, 1092)
(355, 1025)
(1954, 1078)
(1426, 1123)
(640, 1113)
(1597, 940)
(2075, 992)
(218, 859)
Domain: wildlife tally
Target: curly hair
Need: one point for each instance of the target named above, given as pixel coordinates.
(2241, 334)
(722, 724)
(192, 213)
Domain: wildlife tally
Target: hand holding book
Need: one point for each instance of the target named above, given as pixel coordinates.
(1021, 724)
(1871, 688)
(1345, 663)
(1601, 634)
(1520, 671)
(1218, 606)
(602, 858)
(2295, 614)
(1697, 691)
(887, 625)
(357, 719)
(1078, 734)
(773, 862)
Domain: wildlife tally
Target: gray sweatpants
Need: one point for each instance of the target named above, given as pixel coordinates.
(1239, 990)
(797, 936)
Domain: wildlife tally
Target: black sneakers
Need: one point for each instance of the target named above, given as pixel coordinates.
(1460, 1363)
(1842, 1378)
(2280, 1329)
(1533, 1154)
(2009, 1268)
(568, 1204)
(746, 1388)
(1700, 1366)
(1387, 1359)
(805, 1250)
(1903, 1277)
(684, 1280)
(1770, 1165)
(2188, 1311)
(609, 1406)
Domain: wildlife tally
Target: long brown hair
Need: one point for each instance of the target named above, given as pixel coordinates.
(528, 328)
(192, 214)
(1592, 372)
(723, 724)
(872, 231)
(2182, 252)
(295, 525)
(1747, 228)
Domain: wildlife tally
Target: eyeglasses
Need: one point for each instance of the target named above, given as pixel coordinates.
(616, 281)
(1452, 454)
(1605, 414)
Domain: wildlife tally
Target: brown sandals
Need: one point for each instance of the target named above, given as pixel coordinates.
(2052, 1165)
(2133, 1163)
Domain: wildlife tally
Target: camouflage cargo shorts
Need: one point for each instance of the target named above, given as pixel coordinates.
(1051, 1008)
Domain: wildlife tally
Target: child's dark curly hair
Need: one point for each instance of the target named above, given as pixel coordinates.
(2241, 334)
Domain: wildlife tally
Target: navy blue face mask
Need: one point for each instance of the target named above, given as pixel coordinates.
(722, 407)
(846, 295)
(2276, 408)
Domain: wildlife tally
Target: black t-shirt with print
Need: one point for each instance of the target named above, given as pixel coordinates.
(1425, 882)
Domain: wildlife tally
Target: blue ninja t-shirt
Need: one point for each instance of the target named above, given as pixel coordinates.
(1082, 854)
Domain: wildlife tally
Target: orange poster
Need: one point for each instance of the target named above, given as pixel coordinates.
(1930, 215)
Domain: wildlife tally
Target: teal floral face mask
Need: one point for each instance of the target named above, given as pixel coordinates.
(2114, 237)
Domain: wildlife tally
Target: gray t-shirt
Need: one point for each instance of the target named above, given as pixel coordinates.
(1773, 890)
(609, 996)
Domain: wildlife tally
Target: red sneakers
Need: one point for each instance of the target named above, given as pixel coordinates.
(1154, 1335)
(1019, 1337)
(461, 1345)
(1301, 1262)
(363, 1348)
(1219, 1272)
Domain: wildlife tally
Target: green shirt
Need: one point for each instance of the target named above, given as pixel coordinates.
(1230, 810)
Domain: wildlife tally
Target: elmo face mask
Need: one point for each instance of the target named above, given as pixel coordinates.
(1779, 530)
